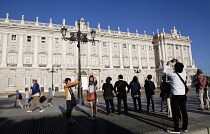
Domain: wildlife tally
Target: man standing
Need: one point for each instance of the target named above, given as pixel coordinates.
(35, 94)
(179, 98)
(200, 80)
(121, 94)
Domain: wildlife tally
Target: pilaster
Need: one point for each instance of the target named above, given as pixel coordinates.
(36, 41)
(4, 51)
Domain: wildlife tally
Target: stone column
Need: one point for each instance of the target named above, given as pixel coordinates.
(4, 51)
(190, 55)
(160, 55)
(64, 48)
(139, 51)
(20, 52)
(147, 51)
(130, 56)
(121, 58)
(89, 60)
(174, 46)
(50, 43)
(100, 53)
(36, 41)
(182, 53)
(110, 55)
(165, 49)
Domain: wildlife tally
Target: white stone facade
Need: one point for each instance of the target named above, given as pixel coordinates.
(29, 49)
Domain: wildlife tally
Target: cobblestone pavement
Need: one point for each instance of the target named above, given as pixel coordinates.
(52, 121)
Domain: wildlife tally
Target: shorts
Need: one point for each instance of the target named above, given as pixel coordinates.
(26, 100)
(49, 100)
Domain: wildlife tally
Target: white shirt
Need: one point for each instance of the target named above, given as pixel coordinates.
(27, 94)
(69, 96)
(92, 88)
(177, 86)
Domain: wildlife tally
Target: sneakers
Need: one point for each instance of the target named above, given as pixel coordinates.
(41, 111)
(71, 121)
(94, 118)
(29, 111)
(183, 130)
(173, 132)
(200, 109)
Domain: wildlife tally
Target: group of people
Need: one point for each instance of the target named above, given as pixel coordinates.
(173, 91)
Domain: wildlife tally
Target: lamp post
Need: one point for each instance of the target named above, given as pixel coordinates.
(137, 71)
(79, 37)
(52, 71)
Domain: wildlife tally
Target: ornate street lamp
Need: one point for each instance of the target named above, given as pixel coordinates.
(52, 71)
(80, 37)
(137, 71)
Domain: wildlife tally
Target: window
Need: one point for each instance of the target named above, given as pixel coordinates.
(27, 81)
(57, 61)
(142, 47)
(134, 46)
(124, 45)
(43, 60)
(56, 40)
(28, 38)
(10, 81)
(28, 59)
(12, 58)
(42, 81)
(56, 79)
(115, 44)
(13, 37)
(70, 42)
(43, 39)
(104, 44)
(169, 46)
(177, 47)
(150, 48)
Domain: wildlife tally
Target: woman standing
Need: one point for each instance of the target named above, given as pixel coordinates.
(69, 92)
(135, 92)
(91, 93)
(107, 90)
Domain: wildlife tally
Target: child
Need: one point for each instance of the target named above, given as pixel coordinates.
(26, 97)
(18, 97)
(50, 96)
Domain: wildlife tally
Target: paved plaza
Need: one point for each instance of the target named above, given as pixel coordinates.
(52, 121)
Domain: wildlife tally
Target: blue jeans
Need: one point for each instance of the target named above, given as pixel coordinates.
(69, 109)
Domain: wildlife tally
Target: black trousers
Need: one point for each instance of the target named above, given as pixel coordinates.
(120, 99)
(150, 97)
(69, 109)
(178, 103)
(107, 106)
(139, 102)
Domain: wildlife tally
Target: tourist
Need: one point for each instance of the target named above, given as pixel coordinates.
(135, 93)
(50, 96)
(150, 92)
(121, 94)
(69, 93)
(92, 97)
(107, 90)
(206, 96)
(18, 98)
(200, 80)
(179, 98)
(35, 94)
(26, 96)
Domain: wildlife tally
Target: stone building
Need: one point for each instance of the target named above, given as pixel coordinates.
(28, 50)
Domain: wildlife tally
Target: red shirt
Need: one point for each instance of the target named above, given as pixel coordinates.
(201, 80)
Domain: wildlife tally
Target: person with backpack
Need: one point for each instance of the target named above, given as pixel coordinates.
(200, 80)
(107, 90)
(150, 92)
(179, 98)
(69, 97)
(121, 94)
(18, 98)
(36, 96)
(135, 93)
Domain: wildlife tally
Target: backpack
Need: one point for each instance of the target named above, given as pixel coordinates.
(20, 96)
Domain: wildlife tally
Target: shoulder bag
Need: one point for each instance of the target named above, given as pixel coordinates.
(73, 99)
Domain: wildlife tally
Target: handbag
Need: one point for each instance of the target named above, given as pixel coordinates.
(73, 99)
(42, 99)
(186, 87)
(91, 96)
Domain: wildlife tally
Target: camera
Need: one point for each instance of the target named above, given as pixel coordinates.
(173, 60)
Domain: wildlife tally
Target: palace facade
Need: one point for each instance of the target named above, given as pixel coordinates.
(28, 50)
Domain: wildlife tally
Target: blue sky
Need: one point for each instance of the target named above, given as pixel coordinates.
(191, 17)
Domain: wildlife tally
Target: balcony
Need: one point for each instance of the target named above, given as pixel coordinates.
(106, 66)
(126, 66)
(27, 65)
(116, 66)
(57, 65)
(12, 65)
(42, 65)
(135, 67)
